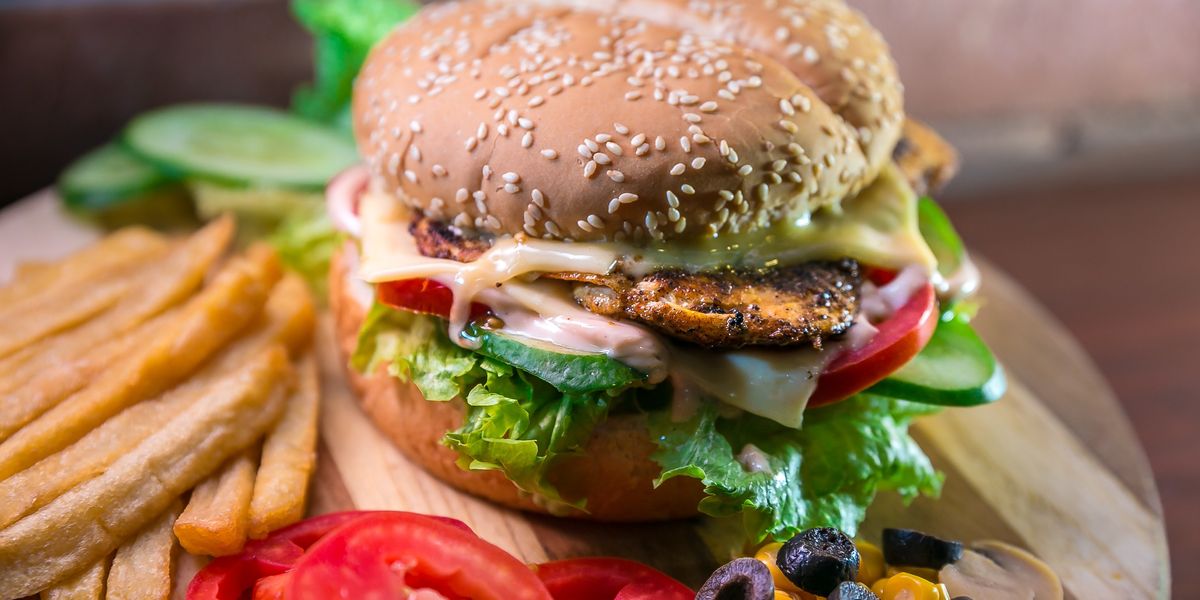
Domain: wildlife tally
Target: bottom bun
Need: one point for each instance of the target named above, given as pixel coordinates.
(613, 474)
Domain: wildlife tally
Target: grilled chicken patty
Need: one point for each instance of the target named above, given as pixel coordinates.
(723, 309)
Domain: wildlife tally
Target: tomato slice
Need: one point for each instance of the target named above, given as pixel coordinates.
(230, 577)
(899, 339)
(271, 588)
(609, 579)
(424, 296)
(388, 555)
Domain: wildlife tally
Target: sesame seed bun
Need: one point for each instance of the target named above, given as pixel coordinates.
(613, 473)
(629, 119)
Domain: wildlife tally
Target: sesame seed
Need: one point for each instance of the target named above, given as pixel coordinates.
(688, 100)
(660, 144)
(761, 191)
(725, 195)
(745, 170)
(481, 93)
(603, 138)
(415, 127)
(538, 198)
(701, 139)
(584, 152)
(786, 107)
(502, 129)
(698, 162)
(592, 146)
(550, 153)
(686, 144)
(678, 169)
(627, 198)
(589, 169)
(621, 129)
(788, 126)
(439, 170)
(527, 140)
(616, 176)
(672, 199)
(415, 153)
(536, 101)
(487, 172)
(512, 188)
(692, 117)
(634, 95)
(681, 225)
(614, 148)
(613, 206)
(602, 158)
(778, 165)
(525, 123)
(511, 177)
(482, 132)
(708, 107)
(471, 143)
(642, 150)
(410, 175)
(672, 214)
(733, 156)
(461, 195)
(651, 221)
(687, 189)
(637, 140)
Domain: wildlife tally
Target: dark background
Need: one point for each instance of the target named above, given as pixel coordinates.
(1078, 120)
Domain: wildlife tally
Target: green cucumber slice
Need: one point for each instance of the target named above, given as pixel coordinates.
(567, 371)
(939, 233)
(107, 176)
(241, 145)
(955, 369)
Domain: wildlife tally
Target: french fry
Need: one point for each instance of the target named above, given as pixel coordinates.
(289, 458)
(208, 322)
(141, 568)
(43, 374)
(121, 249)
(217, 515)
(87, 585)
(287, 319)
(92, 520)
(44, 320)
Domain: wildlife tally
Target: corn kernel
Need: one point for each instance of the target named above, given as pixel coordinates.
(930, 575)
(870, 562)
(905, 586)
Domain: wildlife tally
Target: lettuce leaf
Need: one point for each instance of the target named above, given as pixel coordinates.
(343, 33)
(515, 422)
(306, 241)
(825, 474)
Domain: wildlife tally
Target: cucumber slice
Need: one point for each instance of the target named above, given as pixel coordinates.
(241, 145)
(955, 369)
(939, 233)
(567, 371)
(107, 176)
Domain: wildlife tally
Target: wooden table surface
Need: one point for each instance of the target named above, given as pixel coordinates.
(1120, 267)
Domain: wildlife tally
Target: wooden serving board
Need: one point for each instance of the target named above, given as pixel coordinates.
(1053, 467)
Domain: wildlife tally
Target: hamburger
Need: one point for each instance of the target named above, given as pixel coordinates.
(645, 259)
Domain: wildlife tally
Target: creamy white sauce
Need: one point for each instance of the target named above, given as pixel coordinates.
(880, 303)
(963, 283)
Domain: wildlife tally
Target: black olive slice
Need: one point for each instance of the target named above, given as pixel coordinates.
(817, 560)
(851, 590)
(740, 579)
(909, 548)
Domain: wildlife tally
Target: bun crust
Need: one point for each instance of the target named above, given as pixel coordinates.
(654, 119)
(614, 472)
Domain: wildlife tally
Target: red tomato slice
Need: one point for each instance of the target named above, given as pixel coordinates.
(424, 296)
(229, 577)
(271, 588)
(609, 579)
(382, 556)
(899, 339)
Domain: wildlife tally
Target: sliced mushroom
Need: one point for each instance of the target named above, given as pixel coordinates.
(998, 571)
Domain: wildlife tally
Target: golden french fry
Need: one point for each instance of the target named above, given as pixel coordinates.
(287, 319)
(41, 375)
(122, 249)
(87, 585)
(289, 458)
(92, 520)
(141, 568)
(217, 515)
(44, 320)
(208, 322)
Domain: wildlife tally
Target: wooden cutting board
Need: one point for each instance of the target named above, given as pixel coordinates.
(1053, 467)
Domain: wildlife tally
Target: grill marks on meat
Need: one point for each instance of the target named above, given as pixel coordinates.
(927, 160)
(780, 306)
(730, 309)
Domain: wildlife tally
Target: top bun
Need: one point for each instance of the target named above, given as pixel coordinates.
(628, 119)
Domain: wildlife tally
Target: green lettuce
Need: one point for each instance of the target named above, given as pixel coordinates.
(515, 422)
(824, 474)
(343, 33)
(306, 241)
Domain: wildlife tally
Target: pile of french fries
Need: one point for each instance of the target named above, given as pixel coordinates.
(152, 391)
